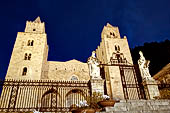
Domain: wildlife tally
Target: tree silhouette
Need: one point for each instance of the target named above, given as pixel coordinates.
(157, 53)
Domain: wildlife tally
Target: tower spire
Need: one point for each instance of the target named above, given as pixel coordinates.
(37, 20)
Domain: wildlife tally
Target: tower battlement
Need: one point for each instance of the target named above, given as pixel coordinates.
(110, 31)
(35, 27)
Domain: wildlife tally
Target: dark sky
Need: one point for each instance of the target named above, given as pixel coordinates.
(73, 27)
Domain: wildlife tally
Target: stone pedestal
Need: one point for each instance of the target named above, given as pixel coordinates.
(151, 88)
(97, 85)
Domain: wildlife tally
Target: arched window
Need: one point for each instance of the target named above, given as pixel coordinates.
(32, 42)
(74, 78)
(112, 34)
(29, 43)
(29, 56)
(24, 72)
(26, 56)
(116, 48)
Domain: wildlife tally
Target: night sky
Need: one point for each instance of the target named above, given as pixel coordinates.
(73, 27)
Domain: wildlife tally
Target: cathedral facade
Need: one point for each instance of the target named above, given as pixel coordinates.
(29, 58)
(33, 82)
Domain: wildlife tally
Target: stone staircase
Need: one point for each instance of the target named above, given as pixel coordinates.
(139, 106)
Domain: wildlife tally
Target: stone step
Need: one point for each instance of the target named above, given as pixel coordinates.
(140, 106)
(135, 107)
(143, 102)
(150, 111)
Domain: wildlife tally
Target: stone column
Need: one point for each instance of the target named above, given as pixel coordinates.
(151, 88)
(97, 85)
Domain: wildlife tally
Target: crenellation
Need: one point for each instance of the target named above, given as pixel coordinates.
(35, 27)
(28, 53)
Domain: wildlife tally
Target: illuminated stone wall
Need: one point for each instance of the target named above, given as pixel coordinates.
(112, 43)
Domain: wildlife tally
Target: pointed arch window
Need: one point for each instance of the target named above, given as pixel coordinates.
(24, 72)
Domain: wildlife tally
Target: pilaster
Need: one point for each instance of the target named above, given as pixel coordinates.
(97, 85)
(151, 88)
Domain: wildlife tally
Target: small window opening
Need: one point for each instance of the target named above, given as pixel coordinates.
(102, 53)
(29, 56)
(26, 56)
(29, 43)
(34, 29)
(113, 34)
(74, 78)
(24, 72)
(116, 48)
(32, 42)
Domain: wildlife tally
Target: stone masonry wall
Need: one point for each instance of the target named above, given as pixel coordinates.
(110, 38)
(35, 65)
(66, 70)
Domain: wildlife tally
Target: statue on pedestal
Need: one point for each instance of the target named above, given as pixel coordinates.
(144, 66)
(94, 68)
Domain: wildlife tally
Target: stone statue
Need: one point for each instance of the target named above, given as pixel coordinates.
(94, 68)
(144, 66)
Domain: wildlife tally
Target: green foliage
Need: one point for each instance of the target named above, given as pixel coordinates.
(157, 52)
(164, 94)
(93, 100)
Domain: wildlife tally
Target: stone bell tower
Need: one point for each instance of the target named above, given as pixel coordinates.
(113, 50)
(29, 56)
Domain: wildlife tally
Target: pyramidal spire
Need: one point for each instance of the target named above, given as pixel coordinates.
(37, 20)
(109, 25)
